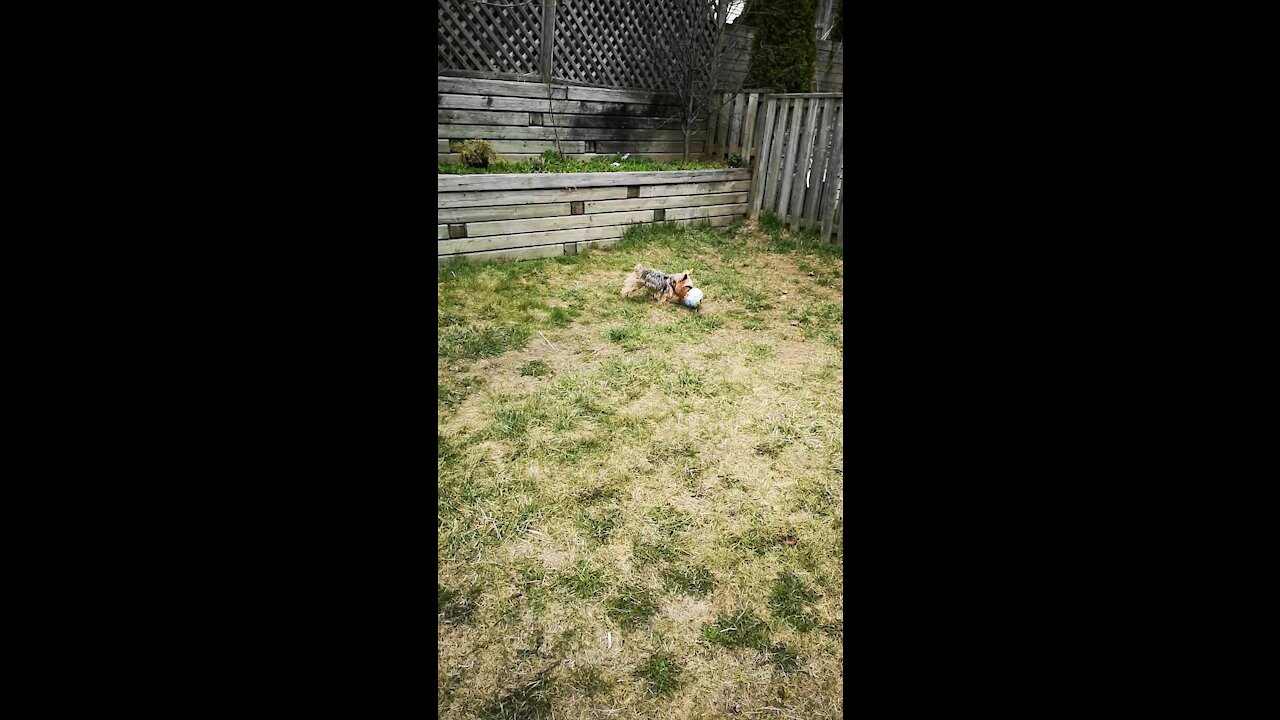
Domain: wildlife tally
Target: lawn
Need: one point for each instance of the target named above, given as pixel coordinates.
(639, 506)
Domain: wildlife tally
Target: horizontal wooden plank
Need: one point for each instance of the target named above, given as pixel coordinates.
(674, 201)
(454, 183)
(442, 146)
(720, 221)
(442, 232)
(808, 95)
(694, 188)
(576, 107)
(507, 227)
(547, 133)
(633, 146)
(597, 245)
(626, 96)
(699, 212)
(498, 242)
(477, 117)
(504, 88)
(538, 146)
(530, 253)
(501, 212)
(478, 198)
(515, 157)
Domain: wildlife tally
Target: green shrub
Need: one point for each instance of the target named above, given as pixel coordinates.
(785, 48)
(735, 160)
(477, 153)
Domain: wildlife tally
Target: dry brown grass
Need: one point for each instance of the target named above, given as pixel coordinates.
(682, 444)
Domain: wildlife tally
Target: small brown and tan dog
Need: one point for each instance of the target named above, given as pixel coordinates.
(663, 287)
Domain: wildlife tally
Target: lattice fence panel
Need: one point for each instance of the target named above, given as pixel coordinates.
(623, 43)
(488, 38)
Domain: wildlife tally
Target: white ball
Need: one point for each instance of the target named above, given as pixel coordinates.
(693, 297)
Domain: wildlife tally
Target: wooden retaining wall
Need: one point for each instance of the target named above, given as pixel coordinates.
(522, 121)
(545, 215)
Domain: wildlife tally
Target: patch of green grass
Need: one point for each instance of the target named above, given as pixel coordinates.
(815, 497)
(758, 353)
(690, 580)
(560, 317)
(661, 674)
(742, 629)
(757, 538)
(632, 607)
(457, 605)
(784, 660)
(535, 368)
(586, 581)
(598, 522)
(630, 336)
(480, 341)
(670, 521)
(588, 680)
(528, 701)
(644, 554)
(453, 389)
(789, 599)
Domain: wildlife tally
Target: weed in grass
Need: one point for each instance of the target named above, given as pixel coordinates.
(457, 605)
(535, 368)
(632, 607)
(528, 701)
(690, 580)
(480, 341)
(661, 674)
(742, 629)
(588, 680)
(585, 581)
(561, 317)
(789, 598)
(784, 660)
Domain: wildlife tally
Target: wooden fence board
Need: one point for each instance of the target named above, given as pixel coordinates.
(442, 232)
(804, 159)
(501, 212)
(821, 143)
(705, 211)
(505, 88)
(515, 157)
(442, 146)
(573, 222)
(665, 202)
(791, 162)
(837, 160)
(455, 183)
(479, 117)
(576, 107)
(518, 240)
(547, 133)
(526, 197)
(694, 188)
(530, 253)
(761, 164)
(750, 128)
(670, 146)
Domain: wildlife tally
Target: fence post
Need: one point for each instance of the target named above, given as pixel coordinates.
(547, 44)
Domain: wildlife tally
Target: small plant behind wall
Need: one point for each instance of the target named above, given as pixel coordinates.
(477, 153)
(735, 160)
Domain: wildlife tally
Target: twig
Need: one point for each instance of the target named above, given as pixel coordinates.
(544, 338)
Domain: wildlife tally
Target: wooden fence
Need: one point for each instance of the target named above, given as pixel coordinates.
(800, 164)
(544, 215)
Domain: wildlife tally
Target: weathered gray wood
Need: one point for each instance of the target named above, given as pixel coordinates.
(789, 165)
(809, 95)
(840, 232)
(508, 227)
(836, 162)
(455, 183)
(546, 39)
(501, 212)
(826, 124)
(735, 136)
(480, 117)
(725, 124)
(547, 133)
(762, 159)
(802, 168)
(719, 221)
(480, 198)
(528, 78)
(646, 146)
(671, 201)
(499, 242)
(712, 129)
(597, 244)
(442, 146)
(504, 88)
(538, 146)
(697, 212)
(572, 107)
(442, 232)
(749, 128)
(620, 122)
(611, 95)
(529, 253)
(775, 162)
(694, 188)
(514, 157)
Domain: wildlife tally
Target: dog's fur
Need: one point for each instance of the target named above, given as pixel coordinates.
(663, 287)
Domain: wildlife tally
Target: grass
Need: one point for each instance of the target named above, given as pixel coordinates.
(648, 501)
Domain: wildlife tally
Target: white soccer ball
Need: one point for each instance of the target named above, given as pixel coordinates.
(693, 297)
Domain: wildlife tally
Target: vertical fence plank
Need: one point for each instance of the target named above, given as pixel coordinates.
(735, 140)
(825, 125)
(726, 124)
(547, 47)
(748, 130)
(802, 169)
(789, 165)
(840, 232)
(762, 166)
(837, 161)
(708, 147)
(775, 157)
